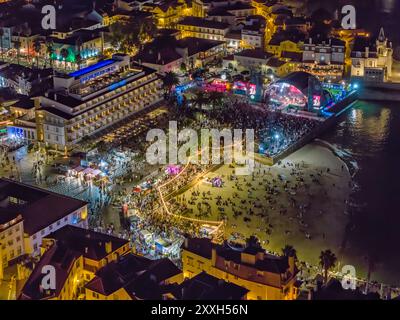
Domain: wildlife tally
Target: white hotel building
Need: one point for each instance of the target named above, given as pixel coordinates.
(91, 99)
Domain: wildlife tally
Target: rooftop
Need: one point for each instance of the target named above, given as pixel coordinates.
(281, 36)
(24, 103)
(203, 23)
(275, 62)
(70, 244)
(94, 88)
(140, 276)
(196, 45)
(200, 246)
(38, 207)
(270, 263)
(293, 56)
(207, 287)
(254, 53)
(91, 68)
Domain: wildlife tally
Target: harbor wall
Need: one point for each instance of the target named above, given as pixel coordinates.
(387, 91)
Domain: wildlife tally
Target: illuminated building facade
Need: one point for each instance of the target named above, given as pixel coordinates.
(76, 254)
(28, 214)
(168, 13)
(200, 8)
(232, 13)
(276, 48)
(85, 43)
(11, 238)
(252, 59)
(202, 28)
(372, 61)
(267, 277)
(324, 58)
(91, 99)
(252, 37)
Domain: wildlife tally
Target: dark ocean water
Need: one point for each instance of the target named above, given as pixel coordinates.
(368, 139)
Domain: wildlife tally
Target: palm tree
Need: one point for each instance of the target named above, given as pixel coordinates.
(64, 55)
(27, 32)
(170, 79)
(327, 260)
(200, 99)
(50, 51)
(253, 242)
(183, 67)
(17, 45)
(147, 29)
(78, 60)
(216, 98)
(289, 251)
(36, 47)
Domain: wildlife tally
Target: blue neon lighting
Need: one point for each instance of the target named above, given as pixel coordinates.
(116, 85)
(91, 68)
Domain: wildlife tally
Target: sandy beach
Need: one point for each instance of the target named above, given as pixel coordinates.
(307, 214)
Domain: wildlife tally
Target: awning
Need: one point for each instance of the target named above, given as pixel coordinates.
(78, 169)
(88, 171)
(96, 172)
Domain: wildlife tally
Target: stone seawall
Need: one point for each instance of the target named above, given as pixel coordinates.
(387, 91)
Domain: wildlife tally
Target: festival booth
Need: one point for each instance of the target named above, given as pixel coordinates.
(146, 236)
(77, 172)
(163, 246)
(217, 85)
(173, 170)
(207, 230)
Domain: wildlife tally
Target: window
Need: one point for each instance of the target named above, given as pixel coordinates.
(35, 246)
(18, 239)
(50, 227)
(34, 237)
